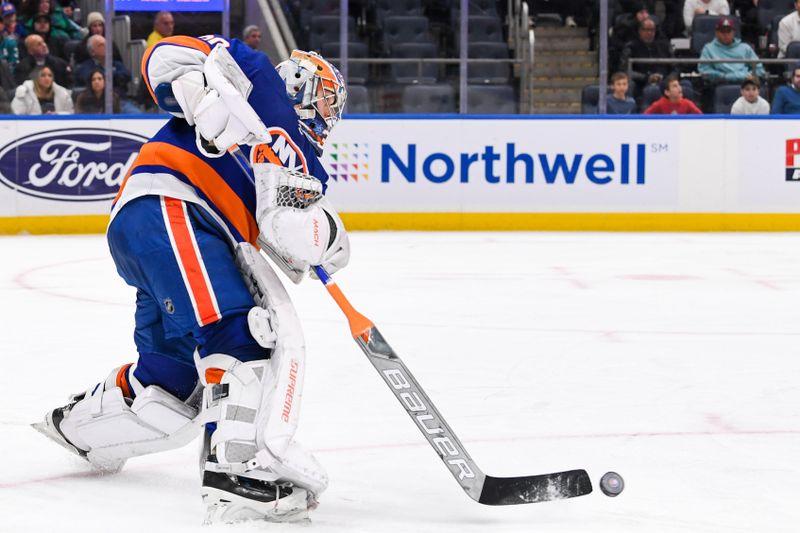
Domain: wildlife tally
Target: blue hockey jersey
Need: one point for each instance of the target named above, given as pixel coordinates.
(170, 163)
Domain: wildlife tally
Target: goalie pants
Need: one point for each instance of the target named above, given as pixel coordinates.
(189, 292)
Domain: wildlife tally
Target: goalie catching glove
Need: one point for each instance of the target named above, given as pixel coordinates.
(299, 228)
(214, 101)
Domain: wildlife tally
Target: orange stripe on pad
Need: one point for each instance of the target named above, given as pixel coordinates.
(180, 40)
(214, 375)
(122, 381)
(190, 260)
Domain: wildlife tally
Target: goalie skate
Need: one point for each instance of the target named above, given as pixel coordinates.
(49, 427)
(229, 498)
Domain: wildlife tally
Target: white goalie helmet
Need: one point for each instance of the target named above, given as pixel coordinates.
(317, 91)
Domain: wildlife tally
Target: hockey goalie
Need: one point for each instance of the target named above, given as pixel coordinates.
(220, 349)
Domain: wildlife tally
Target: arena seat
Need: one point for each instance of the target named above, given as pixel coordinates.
(590, 98)
(316, 8)
(405, 73)
(397, 8)
(325, 29)
(484, 28)
(438, 98)
(488, 72)
(357, 73)
(725, 96)
(491, 99)
(769, 9)
(404, 29)
(357, 99)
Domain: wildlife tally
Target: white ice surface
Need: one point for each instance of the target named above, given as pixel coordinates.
(670, 358)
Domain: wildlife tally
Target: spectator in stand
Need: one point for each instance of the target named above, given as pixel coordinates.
(96, 47)
(68, 7)
(96, 24)
(646, 46)
(726, 45)
(39, 55)
(626, 24)
(625, 29)
(747, 11)
(750, 103)
(163, 26)
(11, 21)
(789, 29)
(60, 24)
(703, 7)
(673, 102)
(9, 47)
(787, 98)
(92, 100)
(6, 87)
(41, 95)
(618, 102)
(55, 43)
(673, 25)
(252, 36)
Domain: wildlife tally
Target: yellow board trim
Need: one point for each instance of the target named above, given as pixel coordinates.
(573, 221)
(474, 222)
(53, 224)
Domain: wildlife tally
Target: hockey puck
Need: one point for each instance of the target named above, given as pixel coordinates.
(612, 484)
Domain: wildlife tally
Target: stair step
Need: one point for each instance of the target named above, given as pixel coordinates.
(570, 43)
(555, 31)
(561, 108)
(543, 82)
(570, 57)
(556, 94)
(567, 70)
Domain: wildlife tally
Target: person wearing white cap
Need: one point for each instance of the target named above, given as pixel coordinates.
(97, 26)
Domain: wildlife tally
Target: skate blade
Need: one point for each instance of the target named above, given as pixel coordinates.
(225, 508)
(102, 467)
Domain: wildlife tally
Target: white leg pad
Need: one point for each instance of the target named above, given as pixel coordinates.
(273, 388)
(111, 428)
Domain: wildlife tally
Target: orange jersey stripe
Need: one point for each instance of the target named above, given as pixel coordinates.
(205, 178)
(190, 260)
(180, 40)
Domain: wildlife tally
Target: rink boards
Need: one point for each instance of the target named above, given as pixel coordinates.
(456, 173)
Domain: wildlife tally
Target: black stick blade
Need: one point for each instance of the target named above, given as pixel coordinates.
(532, 489)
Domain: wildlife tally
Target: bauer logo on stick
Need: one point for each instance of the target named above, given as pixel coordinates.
(81, 164)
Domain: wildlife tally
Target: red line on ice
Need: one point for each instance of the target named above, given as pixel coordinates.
(21, 281)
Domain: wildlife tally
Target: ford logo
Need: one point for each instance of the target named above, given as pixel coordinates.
(80, 164)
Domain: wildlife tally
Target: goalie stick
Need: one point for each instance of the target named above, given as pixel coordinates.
(488, 490)
(482, 488)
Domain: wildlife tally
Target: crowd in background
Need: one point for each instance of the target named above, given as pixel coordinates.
(51, 64)
(637, 32)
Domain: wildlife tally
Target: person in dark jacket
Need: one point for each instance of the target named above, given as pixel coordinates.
(39, 55)
(97, 26)
(96, 46)
(646, 46)
(787, 98)
(92, 99)
(55, 43)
